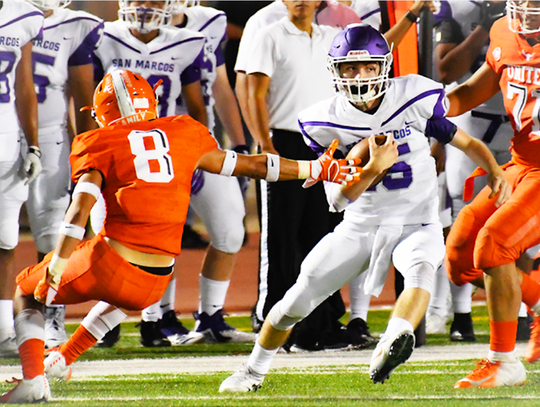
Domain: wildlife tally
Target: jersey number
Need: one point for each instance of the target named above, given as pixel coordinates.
(7, 61)
(399, 175)
(165, 88)
(152, 163)
(41, 82)
(521, 102)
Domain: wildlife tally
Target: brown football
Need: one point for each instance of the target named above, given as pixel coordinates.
(361, 150)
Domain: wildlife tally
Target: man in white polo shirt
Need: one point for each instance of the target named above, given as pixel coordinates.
(286, 74)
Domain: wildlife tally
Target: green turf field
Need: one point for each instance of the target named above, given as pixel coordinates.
(413, 384)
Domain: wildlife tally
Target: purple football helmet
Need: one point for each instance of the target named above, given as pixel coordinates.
(360, 43)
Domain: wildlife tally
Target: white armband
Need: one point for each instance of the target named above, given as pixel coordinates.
(338, 202)
(87, 188)
(272, 167)
(74, 231)
(229, 163)
(57, 267)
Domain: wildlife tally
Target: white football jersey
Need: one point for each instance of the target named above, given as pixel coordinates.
(69, 39)
(20, 22)
(213, 24)
(174, 57)
(411, 108)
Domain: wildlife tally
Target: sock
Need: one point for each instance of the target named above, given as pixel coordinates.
(396, 325)
(441, 290)
(6, 314)
(80, 342)
(522, 311)
(359, 300)
(152, 313)
(260, 359)
(503, 336)
(167, 301)
(31, 354)
(530, 292)
(212, 295)
(502, 356)
(461, 298)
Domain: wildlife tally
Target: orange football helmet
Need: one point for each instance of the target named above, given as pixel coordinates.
(123, 97)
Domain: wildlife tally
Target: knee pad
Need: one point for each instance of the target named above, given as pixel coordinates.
(228, 239)
(46, 243)
(102, 318)
(279, 320)
(420, 275)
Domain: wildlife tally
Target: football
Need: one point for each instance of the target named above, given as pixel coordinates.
(361, 150)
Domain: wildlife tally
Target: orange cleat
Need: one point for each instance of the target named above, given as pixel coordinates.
(533, 348)
(494, 374)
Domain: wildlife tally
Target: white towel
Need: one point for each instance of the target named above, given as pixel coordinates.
(386, 239)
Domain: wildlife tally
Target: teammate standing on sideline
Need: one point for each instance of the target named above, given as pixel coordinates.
(487, 238)
(395, 221)
(63, 71)
(20, 23)
(216, 199)
(130, 263)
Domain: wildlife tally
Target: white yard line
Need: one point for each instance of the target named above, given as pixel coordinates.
(210, 364)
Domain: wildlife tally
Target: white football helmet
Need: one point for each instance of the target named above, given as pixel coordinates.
(46, 5)
(179, 6)
(144, 19)
(523, 16)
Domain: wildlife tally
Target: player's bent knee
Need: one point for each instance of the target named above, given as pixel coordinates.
(102, 318)
(279, 320)
(489, 252)
(420, 275)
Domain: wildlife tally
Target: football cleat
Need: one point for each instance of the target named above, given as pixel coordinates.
(524, 328)
(359, 335)
(151, 336)
(389, 354)
(35, 390)
(494, 374)
(176, 333)
(216, 330)
(56, 368)
(8, 344)
(55, 332)
(435, 324)
(532, 354)
(110, 339)
(461, 329)
(242, 381)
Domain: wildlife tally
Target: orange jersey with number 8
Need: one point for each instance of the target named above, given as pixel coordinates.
(518, 65)
(147, 169)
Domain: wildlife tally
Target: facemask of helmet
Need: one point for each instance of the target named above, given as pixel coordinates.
(46, 5)
(522, 17)
(144, 19)
(360, 43)
(123, 97)
(180, 6)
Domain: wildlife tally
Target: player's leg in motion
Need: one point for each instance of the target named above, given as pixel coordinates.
(220, 206)
(47, 203)
(357, 328)
(333, 262)
(417, 255)
(503, 280)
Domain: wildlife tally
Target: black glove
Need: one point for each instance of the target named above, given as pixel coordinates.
(243, 181)
(490, 12)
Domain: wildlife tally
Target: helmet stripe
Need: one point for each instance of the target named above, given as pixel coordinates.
(122, 95)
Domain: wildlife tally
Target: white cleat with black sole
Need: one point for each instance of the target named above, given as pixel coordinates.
(389, 354)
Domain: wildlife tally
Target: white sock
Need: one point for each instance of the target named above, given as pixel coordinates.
(396, 325)
(260, 359)
(359, 300)
(441, 290)
(522, 310)
(212, 295)
(167, 301)
(152, 313)
(6, 314)
(461, 297)
(502, 356)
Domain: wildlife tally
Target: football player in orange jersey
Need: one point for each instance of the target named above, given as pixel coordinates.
(143, 167)
(486, 240)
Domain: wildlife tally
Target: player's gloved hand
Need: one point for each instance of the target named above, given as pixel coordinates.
(32, 164)
(327, 168)
(47, 289)
(243, 181)
(491, 11)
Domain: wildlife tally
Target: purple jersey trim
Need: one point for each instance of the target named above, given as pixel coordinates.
(377, 10)
(193, 72)
(441, 129)
(73, 20)
(444, 14)
(176, 43)
(316, 147)
(220, 58)
(337, 126)
(83, 54)
(197, 181)
(413, 101)
(31, 14)
(212, 20)
(122, 42)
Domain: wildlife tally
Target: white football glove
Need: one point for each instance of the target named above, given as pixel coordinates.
(32, 164)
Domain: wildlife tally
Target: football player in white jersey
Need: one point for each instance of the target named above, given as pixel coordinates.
(216, 199)
(63, 71)
(395, 221)
(20, 23)
(143, 41)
